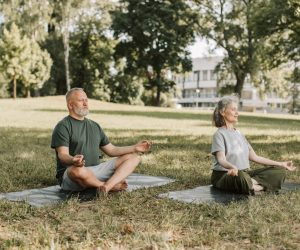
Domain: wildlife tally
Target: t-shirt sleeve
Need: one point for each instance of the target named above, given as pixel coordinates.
(218, 143)
(249, 145)
(103, 138)
(60, 136)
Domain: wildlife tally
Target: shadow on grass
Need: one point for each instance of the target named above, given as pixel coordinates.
(244, 121)
(155, 114)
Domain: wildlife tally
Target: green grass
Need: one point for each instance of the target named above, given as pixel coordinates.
(140, 220)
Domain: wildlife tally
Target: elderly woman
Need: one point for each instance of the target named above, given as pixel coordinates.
(231, 154)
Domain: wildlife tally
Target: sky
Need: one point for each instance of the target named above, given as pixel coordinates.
(201, 48)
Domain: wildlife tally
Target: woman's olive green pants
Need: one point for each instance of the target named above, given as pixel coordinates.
(271, 178)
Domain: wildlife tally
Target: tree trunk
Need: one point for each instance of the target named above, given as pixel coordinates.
(157, 101)
(14, 87)
(66, 55)
(28, 92)
(240, 79)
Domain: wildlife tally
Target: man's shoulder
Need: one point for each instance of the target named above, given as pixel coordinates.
(64, 121)
(92, 122)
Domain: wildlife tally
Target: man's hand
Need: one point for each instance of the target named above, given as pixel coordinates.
(233, 172)
(142, 146)
(288, 165)
(78, 161)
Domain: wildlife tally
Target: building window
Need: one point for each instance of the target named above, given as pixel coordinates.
(196, 76)
(204, 75)
(247, 95)
(212, 75)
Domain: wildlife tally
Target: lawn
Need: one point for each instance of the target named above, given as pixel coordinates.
(140, 220)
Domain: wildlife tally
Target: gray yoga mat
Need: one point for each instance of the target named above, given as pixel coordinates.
(45, 196)
(206, 194)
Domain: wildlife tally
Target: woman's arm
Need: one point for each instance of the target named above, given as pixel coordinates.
(265, 161)
(232, 170)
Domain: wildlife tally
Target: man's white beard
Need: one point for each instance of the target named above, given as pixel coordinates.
(81, 112)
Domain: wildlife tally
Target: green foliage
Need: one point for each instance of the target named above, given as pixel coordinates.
(126, 89)
(294, 90)
(153, 36)
(91, 58)
(278, 22)
(30, 16)
(40, 67)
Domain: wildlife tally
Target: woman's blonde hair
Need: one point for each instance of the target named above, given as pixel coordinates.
(223, 103)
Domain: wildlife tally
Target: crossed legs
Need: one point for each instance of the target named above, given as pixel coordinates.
(124, 166)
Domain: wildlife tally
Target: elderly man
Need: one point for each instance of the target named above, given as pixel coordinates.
(77, 141)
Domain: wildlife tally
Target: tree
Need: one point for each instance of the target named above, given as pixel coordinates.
(230, 24)
(31, 17)
(91, 52)
(153, 36)
(65, 13)
(14, 56)
(39, 71)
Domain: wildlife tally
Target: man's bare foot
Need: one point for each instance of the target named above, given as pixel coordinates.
(118, 187)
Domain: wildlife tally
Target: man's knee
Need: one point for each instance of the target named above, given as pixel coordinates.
(77, 172)
(132, 157)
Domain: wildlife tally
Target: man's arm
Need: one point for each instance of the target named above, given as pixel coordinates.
(140, 147)
(67, 159)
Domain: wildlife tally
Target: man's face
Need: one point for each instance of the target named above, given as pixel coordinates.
(79, 103)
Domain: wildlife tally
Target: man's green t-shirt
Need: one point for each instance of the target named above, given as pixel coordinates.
(81, 137)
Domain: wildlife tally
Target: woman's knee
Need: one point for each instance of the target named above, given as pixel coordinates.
(281, 172)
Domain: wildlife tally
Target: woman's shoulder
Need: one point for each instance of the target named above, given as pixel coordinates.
(225, 132)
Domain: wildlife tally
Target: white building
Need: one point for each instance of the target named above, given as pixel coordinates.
(199, 89)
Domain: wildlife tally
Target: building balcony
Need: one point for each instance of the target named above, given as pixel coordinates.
(202, 84)
(200, 99)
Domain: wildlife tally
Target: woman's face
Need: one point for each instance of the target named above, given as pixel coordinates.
(231, 113)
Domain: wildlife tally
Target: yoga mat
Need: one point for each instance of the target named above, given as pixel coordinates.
(206, 194)
(40, 197)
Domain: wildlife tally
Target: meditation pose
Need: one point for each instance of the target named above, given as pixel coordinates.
(231, 154)
(77, 141)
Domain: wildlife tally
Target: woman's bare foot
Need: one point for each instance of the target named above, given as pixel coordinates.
(256, 186)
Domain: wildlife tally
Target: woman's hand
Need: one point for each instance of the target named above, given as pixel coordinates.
(288, 165)
(233, 172)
